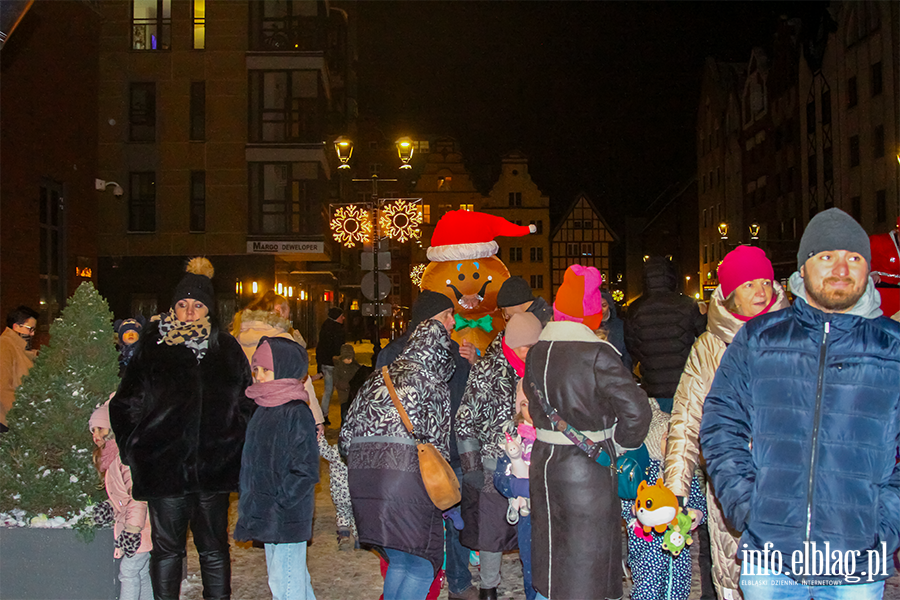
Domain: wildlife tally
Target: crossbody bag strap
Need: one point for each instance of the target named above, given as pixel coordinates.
(390, 386)
(594, 450)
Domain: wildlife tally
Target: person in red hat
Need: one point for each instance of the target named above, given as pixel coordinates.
(747, 289)
(464, 267)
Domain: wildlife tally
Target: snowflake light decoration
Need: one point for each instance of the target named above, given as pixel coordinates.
(618, 295)
(415, 274)
(351, 224)
(400, 220)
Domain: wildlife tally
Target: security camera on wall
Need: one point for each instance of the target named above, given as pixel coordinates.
(118, 191)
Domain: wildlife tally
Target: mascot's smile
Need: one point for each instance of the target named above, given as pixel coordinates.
(470, 301)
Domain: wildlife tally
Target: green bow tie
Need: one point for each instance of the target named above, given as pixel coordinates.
(485, 322)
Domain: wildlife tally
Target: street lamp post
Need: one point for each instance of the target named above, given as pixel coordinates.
(397, 219)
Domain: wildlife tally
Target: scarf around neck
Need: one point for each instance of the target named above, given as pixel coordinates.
(517, 363)
(277, 392)
(107, 454)
(194, 335)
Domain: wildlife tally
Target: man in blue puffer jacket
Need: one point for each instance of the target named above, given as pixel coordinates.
(801, 427)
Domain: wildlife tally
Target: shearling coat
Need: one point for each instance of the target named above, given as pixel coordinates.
(180, 423)
(576, 526)
(487, 412)
(683, 446)
(390, 504)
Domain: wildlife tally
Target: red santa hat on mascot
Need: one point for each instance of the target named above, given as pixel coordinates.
(467, 235)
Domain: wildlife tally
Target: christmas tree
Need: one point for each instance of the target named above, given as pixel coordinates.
(46, 466)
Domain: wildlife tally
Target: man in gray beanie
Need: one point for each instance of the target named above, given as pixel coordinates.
(816, 387)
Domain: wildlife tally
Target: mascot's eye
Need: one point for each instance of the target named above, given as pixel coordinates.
(476, 276)
(462, 277)
(649, 503)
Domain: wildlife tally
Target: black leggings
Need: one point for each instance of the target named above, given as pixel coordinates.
(207, 514)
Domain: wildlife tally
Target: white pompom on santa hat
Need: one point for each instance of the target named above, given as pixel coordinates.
(467, 235)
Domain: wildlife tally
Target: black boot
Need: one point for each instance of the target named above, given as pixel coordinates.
(487, 594)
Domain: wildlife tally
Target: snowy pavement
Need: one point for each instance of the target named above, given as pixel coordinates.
(353, 575)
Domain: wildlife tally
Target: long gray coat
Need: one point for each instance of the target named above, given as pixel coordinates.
(576, 521)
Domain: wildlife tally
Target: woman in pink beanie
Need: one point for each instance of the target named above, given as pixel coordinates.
(747, 289)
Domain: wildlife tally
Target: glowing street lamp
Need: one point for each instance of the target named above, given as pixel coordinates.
(405, 151)
(343, 146)
(723, 230)
(754, 230)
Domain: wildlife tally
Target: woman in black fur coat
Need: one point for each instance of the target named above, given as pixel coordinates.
(180, 415)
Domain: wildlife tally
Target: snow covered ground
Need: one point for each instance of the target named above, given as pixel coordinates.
(354, 575)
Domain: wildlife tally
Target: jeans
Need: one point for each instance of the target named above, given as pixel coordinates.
(457, 557)
(134, 577)
(782, 587)
(328, 374)
(524, 531)
(490, 569)
(408, 576)
(207, 515)
(288, 574)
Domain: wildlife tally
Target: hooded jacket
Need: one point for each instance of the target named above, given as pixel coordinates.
(280, 465)
(390, 504)
(180, 423)
(257, 324)
(575, 509)
(683, 445)
(800, 430)
(661, 328)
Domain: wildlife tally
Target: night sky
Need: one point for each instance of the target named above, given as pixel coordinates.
(601, 96)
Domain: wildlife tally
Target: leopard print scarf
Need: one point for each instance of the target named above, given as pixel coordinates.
(194, 335)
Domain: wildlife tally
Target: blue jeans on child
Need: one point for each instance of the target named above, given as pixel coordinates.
(288, 574)
(134, 577)
(782, 587)
(408, 576)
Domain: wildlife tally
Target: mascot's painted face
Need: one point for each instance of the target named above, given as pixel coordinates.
(471, 285)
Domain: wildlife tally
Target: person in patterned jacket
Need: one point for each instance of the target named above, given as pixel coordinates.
(487, 413)
(392, 509)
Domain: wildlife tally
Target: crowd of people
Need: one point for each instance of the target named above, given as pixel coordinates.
(773, 425)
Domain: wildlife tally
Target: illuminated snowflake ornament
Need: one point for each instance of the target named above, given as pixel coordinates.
(415, 274)
(351, 224)
(618, 295)
(400, 220)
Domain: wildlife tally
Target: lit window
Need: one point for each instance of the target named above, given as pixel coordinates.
(199, 24)
(151, 25)
(425, 211)
(468, 207)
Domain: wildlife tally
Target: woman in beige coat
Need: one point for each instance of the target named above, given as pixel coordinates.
(747, 289)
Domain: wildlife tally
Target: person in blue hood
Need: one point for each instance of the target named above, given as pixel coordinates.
(801, 427)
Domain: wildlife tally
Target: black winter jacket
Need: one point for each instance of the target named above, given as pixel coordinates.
(660, 329)
(331, 338)
(279, 472)
(180, 424)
